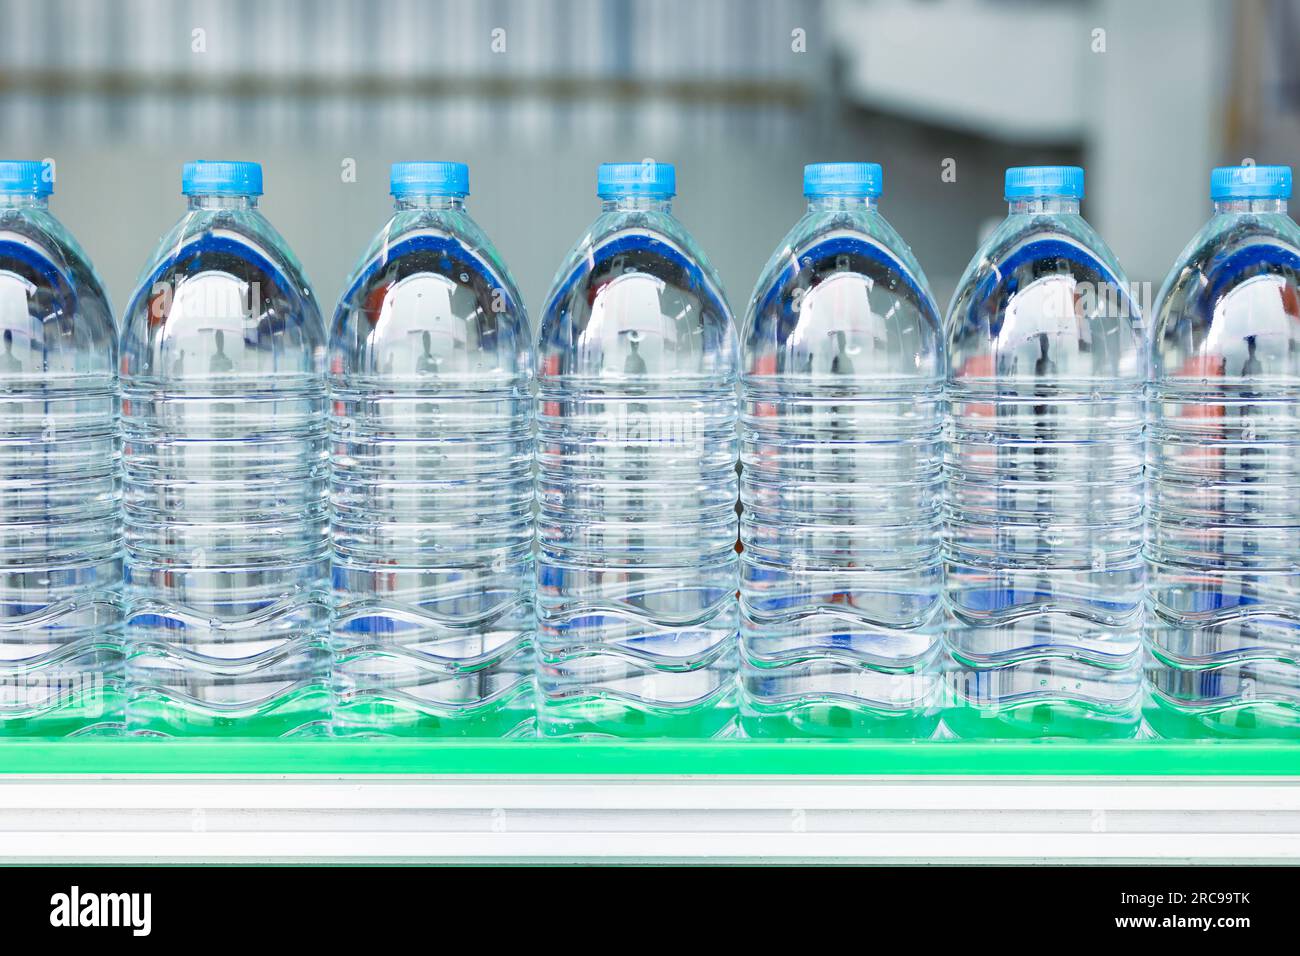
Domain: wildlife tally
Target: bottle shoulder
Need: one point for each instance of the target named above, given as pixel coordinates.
(241, 244)
(431, 298)
(636, 296)
(1055, 243)
(843, 297)
(1045, 299)
(221, 297)
(638, 242)
(37, 236)
(863, 227)
(56, 317)
(1230, 306)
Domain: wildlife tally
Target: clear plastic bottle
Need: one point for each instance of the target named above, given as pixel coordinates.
(226, 467)
(60, 523)
(1224, 468)
(842, 454)
(432, 476)
(637, 367)
(1043, 514)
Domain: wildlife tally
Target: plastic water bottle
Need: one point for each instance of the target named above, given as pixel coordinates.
(1043, 527)
(637, 366)
(1224, 467)
(432, 480)
(842, 454)
(226, 467)
(60, 527)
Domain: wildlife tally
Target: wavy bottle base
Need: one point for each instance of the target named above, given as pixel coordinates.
(608, 691)
(72, 686)
(1220, 663)
(833, 674)
(616, 715)
(302, 711)
(1048, 665)
(59, 701)
(189, 678)
(1237, 720)
(657, 679)
(831, 717)
(1213, 686)
(1040, 717)
(375, 715)
(1044, 692)
(400, 693)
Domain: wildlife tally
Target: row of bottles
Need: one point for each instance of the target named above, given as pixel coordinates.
(426, 520)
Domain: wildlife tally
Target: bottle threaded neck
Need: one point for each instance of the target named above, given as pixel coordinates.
(221, 201)
(1056, 205)
(1235, 206)
(428, 201)
(633, 203)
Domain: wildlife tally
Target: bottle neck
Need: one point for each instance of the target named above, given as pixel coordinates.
(428, 202)
(1237, 206)
(23, 201)
(839, 203)
(209, 201)
(1052, 205)
(636, 203)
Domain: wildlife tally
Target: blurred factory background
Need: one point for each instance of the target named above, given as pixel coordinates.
(738, 93)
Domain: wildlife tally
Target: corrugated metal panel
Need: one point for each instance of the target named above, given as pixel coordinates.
(320, 70)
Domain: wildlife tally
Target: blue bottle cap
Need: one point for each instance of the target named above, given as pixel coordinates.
(1250, 182)
(218, 178)
(428, 179)
(648, 178)
(842, 179)
(26, 177)
(1038, 182)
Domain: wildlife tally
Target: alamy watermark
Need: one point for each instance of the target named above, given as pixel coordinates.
(39, 691)
(77, 908)
(1132, 300)
(207, 300)
(634, 423)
